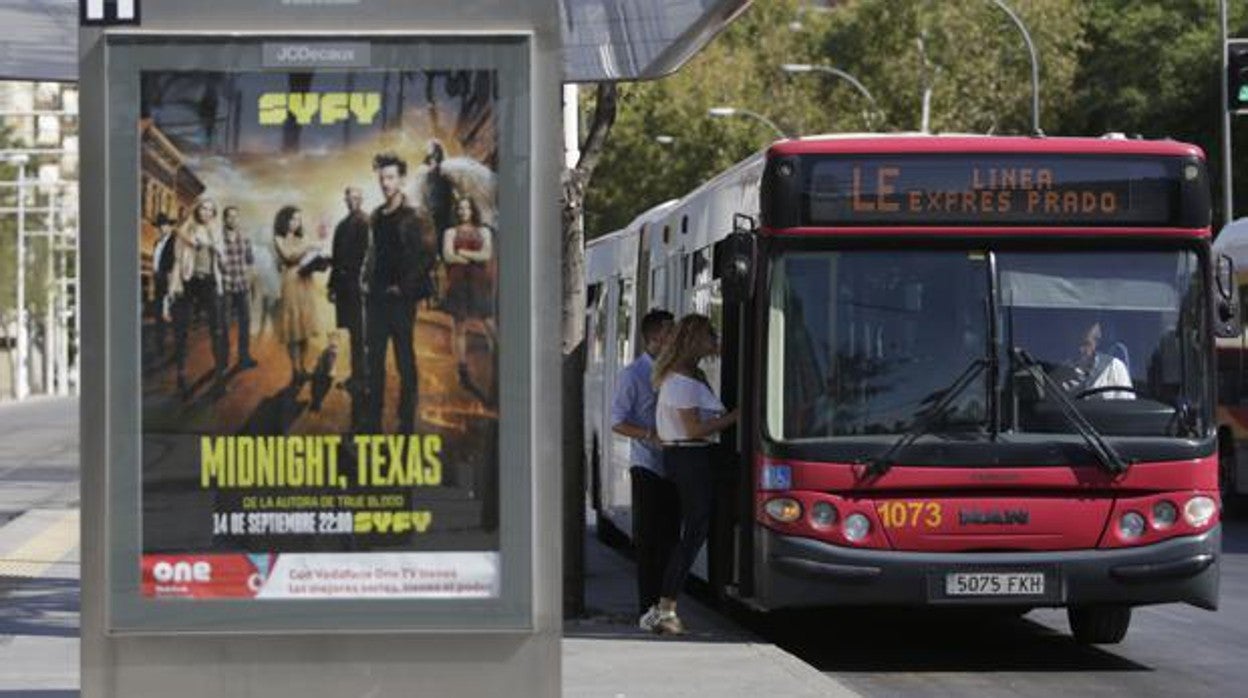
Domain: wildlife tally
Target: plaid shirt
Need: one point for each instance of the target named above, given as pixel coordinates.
(236, 258)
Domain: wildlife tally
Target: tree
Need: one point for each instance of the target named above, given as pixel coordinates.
(1155, 69)
(572, 200)
(969, 53)
(37, 280)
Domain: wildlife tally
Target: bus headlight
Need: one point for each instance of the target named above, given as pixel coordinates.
(1199, 510)
(783, 509)
(1131, 525)
(822, 515)
(1164, 515)
(857, 526)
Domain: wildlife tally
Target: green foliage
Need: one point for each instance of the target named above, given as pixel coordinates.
(37, 278)
(740, 68)
(1155, 69)
(970, 53)
(1151, 68)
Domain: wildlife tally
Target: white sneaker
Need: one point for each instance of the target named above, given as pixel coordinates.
(669, 624)
(649, 619)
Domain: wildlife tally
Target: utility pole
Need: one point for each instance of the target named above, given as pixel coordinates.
(21, 384)
(1035, 65)
(1228, 200)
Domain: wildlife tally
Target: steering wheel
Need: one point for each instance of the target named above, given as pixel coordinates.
(1088, 392)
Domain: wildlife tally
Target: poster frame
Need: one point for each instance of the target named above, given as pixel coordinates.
(128, 612)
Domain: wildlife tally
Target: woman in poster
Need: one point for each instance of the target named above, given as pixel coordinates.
(467, 249)
(297, 260)
(195, 285)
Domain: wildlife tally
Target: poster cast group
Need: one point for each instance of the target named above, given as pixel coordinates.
(382, 267)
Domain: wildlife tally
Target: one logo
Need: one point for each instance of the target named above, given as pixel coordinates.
(182, 572)
(972, 517)
(104, 13)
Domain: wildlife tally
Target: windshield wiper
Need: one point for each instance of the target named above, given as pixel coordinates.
(880, 464)
(1108, 456)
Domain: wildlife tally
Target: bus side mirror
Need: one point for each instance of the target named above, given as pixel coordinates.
(735, 261)
(1226, 318)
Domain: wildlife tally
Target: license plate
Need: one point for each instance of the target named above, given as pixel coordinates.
(994, 584)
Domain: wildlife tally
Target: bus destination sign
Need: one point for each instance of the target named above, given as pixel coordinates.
(999, 189)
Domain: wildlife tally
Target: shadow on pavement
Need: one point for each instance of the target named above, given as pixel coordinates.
(39, 608)
(35, 693)
(911, 640)
(1235, 534)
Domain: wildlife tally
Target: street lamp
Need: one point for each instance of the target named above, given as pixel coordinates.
(720, 112)
(1035, 66)
(21, 387)
(795, 68)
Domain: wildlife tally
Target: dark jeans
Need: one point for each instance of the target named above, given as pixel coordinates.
(351, 318)
(200, 294)
(656, 528)
(689, 468)
(160, 328)
(391, 319)
(237, 306)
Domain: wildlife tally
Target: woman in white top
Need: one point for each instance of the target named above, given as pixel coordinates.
(688, 417)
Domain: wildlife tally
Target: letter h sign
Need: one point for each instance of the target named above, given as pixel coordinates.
(105, 13)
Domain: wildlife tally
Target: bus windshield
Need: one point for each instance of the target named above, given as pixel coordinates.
(866, 342)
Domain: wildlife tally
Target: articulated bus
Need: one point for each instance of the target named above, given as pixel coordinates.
(1232, 241)
(972, 371)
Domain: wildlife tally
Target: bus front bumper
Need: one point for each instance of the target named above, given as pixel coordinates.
(801, 572)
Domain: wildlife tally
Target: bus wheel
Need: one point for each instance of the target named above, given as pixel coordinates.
(1099, 625)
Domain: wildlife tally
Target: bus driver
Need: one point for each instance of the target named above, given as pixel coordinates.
(1096, 371)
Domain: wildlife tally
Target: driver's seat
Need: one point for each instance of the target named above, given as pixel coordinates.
(1119, 351)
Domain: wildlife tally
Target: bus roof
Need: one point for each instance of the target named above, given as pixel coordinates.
(876, 143)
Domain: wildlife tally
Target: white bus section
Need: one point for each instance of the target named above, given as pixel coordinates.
(663, 259)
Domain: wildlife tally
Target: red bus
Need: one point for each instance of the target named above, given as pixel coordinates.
(972, 371)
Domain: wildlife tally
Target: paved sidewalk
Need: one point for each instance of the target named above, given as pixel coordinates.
(606, 656)
(39, 605)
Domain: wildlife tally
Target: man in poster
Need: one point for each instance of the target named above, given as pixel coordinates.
(350, 246)
(237, 260)
(396, 277)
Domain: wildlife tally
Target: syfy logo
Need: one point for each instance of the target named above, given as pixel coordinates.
(182, 572)
(327, 109)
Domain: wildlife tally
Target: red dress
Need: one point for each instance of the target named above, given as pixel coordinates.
(470, 292)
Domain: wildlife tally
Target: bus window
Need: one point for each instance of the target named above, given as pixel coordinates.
(598, 326)
(624, 322)
(1109, 327)
(707, 300)
(861, 342)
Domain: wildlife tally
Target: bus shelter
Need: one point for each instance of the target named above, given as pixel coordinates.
(317, 252)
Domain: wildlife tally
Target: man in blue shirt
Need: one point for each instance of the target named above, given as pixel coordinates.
(656, 504)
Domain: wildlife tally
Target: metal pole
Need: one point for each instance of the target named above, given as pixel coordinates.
(837, 72)
(1228, 201)
(571, 126)
(62, 302)
(21, 384)
(1035, 67)
(738, 111)
(925, 115)
(49, 310)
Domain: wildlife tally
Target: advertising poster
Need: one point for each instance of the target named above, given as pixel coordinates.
(318, 270)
